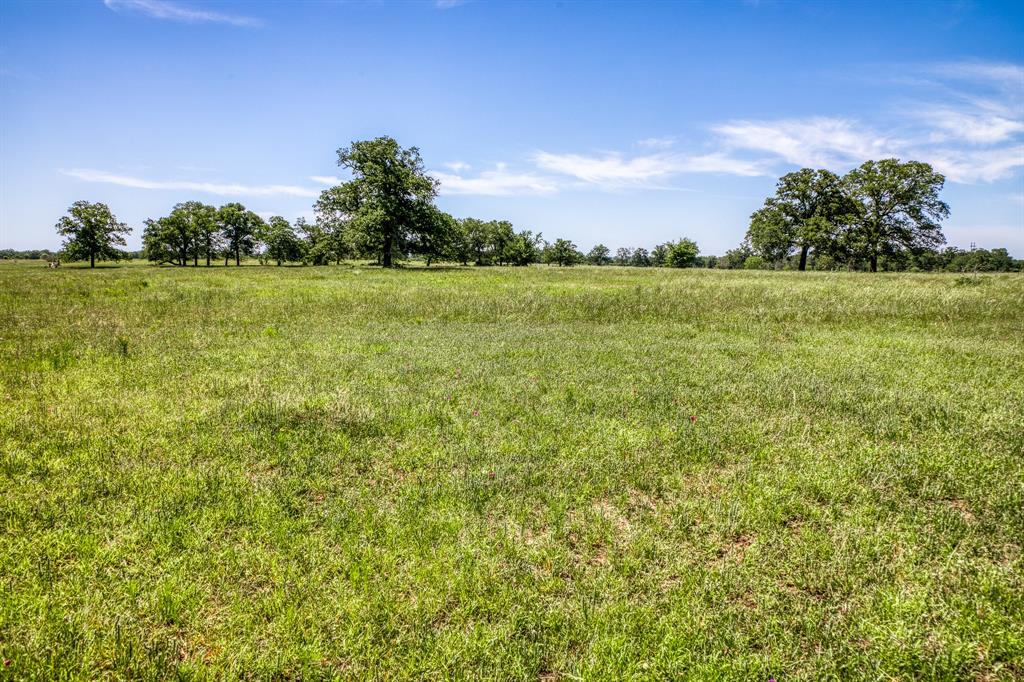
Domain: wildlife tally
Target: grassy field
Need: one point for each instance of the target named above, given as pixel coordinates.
(543, 473)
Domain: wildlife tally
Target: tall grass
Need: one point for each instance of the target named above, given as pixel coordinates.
(535, 473)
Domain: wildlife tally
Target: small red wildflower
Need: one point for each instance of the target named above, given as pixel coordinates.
(693, 419)
(476, 413)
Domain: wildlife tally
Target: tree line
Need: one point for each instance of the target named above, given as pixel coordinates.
(883, 214)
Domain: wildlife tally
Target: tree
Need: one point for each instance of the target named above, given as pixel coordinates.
(459, 248)
(239, 227)
(282, 242)
(658, 255)
(623, 255)
(478, 236)
(201, 226)
(599, 255)
(640, 258)
(735, 258)
(91, 231)
(167, 240)
(501, 234)
(384, 204)
(434, 243)
(897, 208)
(522, 249)
(681, 254)
(804, 213)
(562, 252)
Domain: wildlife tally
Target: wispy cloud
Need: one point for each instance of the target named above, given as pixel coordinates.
(330, 180)
(980, 165)
(448, 4)
(161, 9)
(978, 127)
(614, 170)
(817, 141)
(656, 142)
(219, 189)
(497, 182)
(607, 169)
(1003, 75)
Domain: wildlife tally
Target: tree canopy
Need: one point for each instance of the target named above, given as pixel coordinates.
(897, 208)
(805, 213)
(91, 232)
(386, 206)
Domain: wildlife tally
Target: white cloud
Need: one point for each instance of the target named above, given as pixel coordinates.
(1003, 75)
(220, 189)
(816, 141)
(974, 127)
(498, 182)
(325, 180)
(161, 9)
(614, 170)
(968, 166)
(457, 166)
(448, 4)
(721, 163)
(609, 169)
(656, 142)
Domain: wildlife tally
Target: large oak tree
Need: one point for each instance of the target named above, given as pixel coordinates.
(897, 208)
(804, 214)
(386, 206)
(91, 232)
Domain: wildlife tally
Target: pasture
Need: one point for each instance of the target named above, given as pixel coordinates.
(510, 473)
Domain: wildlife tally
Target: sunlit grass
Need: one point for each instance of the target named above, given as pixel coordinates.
(590, 473)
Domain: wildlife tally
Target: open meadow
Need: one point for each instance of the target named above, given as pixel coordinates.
(510, 473)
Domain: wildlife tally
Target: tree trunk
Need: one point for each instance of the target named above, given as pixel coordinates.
(207, 252)
(92, 259)
(238, 255)
(195, 259)
(226, 256)
(387, 251)
(874, 262)
(803, 258)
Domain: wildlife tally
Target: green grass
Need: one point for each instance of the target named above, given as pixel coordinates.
(543, 473)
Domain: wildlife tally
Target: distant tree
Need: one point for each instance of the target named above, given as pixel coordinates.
(435, 243)
(623, 255)
(91, 231)
(281, 241)
(735, 258)
(501, 235)
(640, 258)
(167, 240)
(979, 260)
(897, 208)
(201, 226)
(658, 255)
(562, 252)
(599, 255)
(239, 227)
(384, 204)
(754, 263)
(523, 249)
(681, 254)
(478, 236)
(459, 247)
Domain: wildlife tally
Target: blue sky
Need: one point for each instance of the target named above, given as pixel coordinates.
(622, 123)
